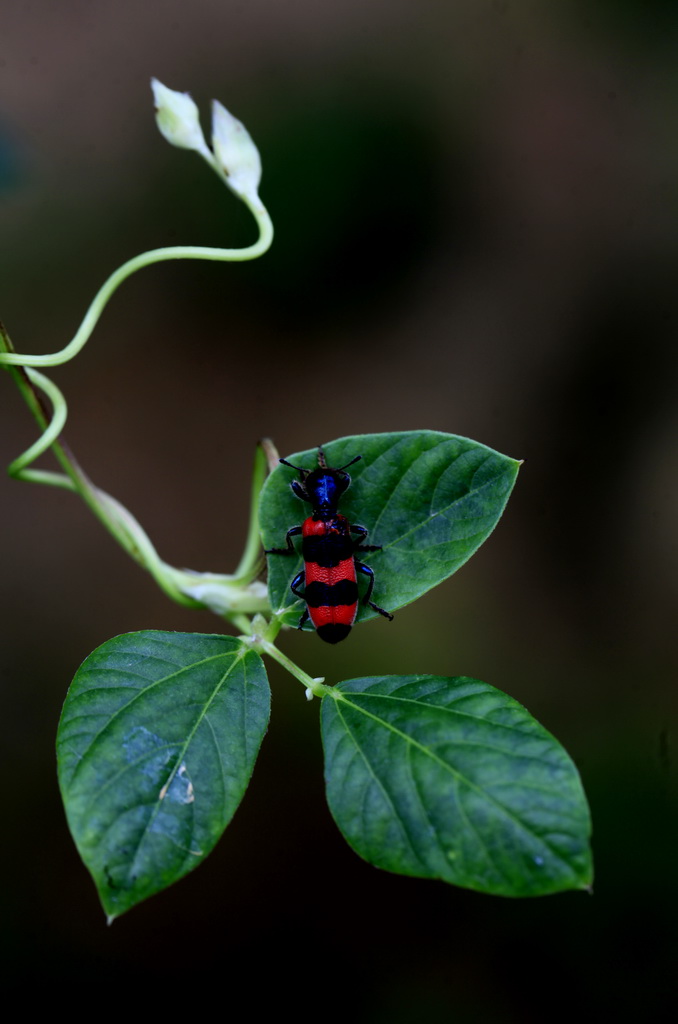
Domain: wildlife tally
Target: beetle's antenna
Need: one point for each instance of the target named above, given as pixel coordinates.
(298, 468)
(322, 461)
(357, 459)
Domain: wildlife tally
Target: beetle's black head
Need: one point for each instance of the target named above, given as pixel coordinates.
(321, 487)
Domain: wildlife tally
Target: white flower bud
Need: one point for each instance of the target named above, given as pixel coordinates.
(177, 118)
(235, 152)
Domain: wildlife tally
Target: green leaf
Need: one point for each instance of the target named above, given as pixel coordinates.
(156, 744)
(452, 779)
(430, 499)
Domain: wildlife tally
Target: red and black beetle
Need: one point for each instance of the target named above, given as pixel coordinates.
(328, 549)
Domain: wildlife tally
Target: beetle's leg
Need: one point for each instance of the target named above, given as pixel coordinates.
(362, 535)
(366, 571)
(298, 579)
(300, 490)
(289, 550)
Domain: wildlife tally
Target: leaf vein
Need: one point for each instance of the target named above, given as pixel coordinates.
(140, 693)
(179, 760)
(379, 784)
(459, 776)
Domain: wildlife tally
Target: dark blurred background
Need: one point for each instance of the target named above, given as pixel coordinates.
(477, 222)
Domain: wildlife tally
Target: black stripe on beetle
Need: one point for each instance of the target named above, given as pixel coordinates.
(327, 551)
(331, 594)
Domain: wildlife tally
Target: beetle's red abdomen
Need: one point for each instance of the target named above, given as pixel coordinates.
(329, 569)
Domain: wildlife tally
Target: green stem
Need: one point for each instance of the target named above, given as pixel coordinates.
(26, 385)
(118, 520)
(233, 597)
(241, 622)
(251, 563)
(316, 686)
(114, 516)
(145, 259)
